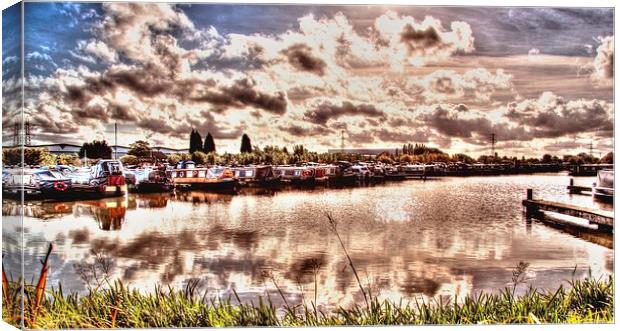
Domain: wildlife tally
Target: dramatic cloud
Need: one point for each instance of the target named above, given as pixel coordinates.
(552, 116)
(604, 62)
(442, 85)
(242, 92)
(417, 42)
(321, 113)
(98, 49)
(300, 56)
(334, 43)
(384, 76)
(300, 131)
(471, 127)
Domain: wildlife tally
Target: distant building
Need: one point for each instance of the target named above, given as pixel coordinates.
(60, 149)
(362, 151)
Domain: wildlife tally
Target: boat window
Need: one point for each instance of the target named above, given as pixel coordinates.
(46, 175)
(248, 173)
(22, 179)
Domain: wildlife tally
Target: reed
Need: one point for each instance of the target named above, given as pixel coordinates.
(116, 306)
(582, 301)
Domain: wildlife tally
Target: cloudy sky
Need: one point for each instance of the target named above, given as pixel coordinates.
(539, 78)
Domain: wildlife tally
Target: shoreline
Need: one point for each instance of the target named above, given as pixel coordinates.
(116, 306)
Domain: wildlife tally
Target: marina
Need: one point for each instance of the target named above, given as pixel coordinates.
(425, 238)
(230, 165)
(111, 178)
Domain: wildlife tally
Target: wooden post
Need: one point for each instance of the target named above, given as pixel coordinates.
(571, 183)
(530, 194)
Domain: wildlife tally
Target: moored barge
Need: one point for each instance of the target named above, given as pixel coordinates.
(213, 179)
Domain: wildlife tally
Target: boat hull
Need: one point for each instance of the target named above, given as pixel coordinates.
(153, 187)
(208, 184)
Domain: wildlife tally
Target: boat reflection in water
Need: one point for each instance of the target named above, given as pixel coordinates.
(411, 239)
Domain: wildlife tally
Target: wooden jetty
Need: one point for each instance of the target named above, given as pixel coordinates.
(603, 219)
(575, 189)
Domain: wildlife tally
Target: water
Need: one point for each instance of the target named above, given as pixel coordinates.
(412, 239)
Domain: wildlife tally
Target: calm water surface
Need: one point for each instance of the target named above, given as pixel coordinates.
(451, 236)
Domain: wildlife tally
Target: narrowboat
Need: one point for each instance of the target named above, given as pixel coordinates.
(340, 174)
(152, 180)
(105, 179)
(256, 176)
(377, 172)
(603, 188)
(393, 173)
(415, 170)
(361, 171)
(298, 175)
(213, 179)
(35, 183)
(320, 172)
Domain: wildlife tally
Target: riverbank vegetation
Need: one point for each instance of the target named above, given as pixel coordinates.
(582, 301)
(253, 154)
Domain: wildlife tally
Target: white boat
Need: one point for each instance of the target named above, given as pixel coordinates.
(603, 188)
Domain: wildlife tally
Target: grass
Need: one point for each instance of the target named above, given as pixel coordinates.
(113, 305)
(583, 301)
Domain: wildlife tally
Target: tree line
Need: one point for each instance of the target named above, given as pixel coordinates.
(196, 145)
(204, 152)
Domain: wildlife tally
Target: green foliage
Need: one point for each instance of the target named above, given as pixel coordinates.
(97, 149)
(200, 157)
(209, 144)
(582, 301)
(246, 144)
(69, 159)
(460, 157)
(608, 158)
(173, 159)
(129, 159)
(32, 156)
(140, 148)
(195, 142)
(11, 156)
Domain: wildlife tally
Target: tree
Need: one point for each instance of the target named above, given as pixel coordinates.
(32, 156)
(299, 150)
(140, 148)
(246, 144)
(547, 158)
(129, 159)
(97, 149)
(69, 159)
(173, 159)
(209, 144)
(460, 157)
(195, 141)
(200, 158)
(608, 158)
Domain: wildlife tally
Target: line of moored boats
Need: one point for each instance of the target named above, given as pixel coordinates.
(111, 178)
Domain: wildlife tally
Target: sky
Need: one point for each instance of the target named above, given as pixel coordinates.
(540, 79)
